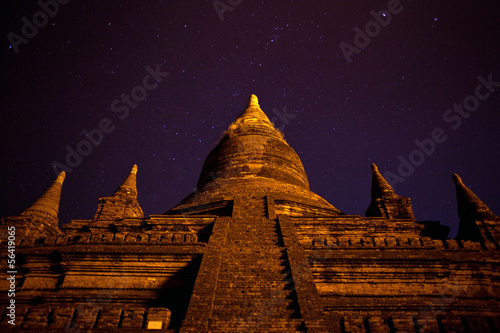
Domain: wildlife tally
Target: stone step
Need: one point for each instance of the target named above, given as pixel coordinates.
(243, 276)
(248, 289)
(248, 264)
(252, 284)
(268, 310)
(257, 268)
(245, 241)
(234, 296)
(257, 324)
(269, 307)
(248, 260)
(269, 250)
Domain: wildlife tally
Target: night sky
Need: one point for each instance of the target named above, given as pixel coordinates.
(340, 116)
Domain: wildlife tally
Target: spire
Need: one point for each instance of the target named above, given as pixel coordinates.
(380, 187)
(385, 202)
(48, 203)
(470, 207)
(123, 203)
(129, 186)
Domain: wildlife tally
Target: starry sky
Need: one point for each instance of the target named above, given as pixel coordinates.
(343, 99)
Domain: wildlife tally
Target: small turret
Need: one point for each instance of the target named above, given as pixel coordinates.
(47, 206)
(123, 203)
(128, 189)
(41, 218)
(470, 210)
(385, 202)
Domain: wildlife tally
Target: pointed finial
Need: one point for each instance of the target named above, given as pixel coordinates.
(252, 116)
(469, 204)
(48, 203)
(253, 101)
(129, 185)
(134, 169)
(61, 177)
(380, 187)
(457, 180)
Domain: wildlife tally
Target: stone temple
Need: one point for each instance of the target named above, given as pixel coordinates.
(253, 249)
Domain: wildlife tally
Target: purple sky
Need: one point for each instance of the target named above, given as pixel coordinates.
(343, 115)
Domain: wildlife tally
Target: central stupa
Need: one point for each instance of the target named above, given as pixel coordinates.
(252, 158)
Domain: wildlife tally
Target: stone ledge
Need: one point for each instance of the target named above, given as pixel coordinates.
(112, 238)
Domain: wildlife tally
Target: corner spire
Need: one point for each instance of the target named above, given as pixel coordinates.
(380, 186)
(385, 202)
(48, 203)
(123, 203)
(470, 207)
(129, 185)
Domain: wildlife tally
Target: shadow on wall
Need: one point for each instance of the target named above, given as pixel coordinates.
(175, 294)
